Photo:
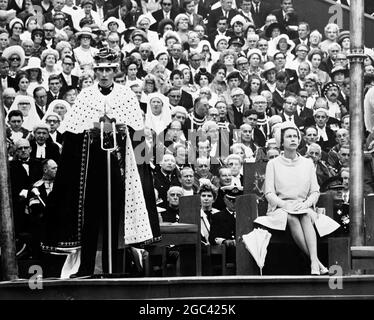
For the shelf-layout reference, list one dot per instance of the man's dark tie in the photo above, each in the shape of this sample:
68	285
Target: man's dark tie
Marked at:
257	9
208	214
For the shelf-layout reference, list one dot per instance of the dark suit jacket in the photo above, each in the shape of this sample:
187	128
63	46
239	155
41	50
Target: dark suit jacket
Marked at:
159	15
305	113
259	18
50	97
278	101
327	65
52	151
11	83
48	17
297	42
170	64
292	75
299	122
20	180
128	20
292	21
294	87
12	4
223	225
235	117
331	140
74	82
162	184
214	16
40	111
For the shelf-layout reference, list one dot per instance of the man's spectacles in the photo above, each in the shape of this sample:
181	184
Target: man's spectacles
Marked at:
167	4
53	121
15	59
68	64
23	148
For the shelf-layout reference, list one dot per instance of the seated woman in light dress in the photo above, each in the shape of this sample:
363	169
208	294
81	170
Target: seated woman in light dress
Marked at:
292	191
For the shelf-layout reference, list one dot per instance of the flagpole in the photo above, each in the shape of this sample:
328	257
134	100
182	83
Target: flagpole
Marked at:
9	268
356	58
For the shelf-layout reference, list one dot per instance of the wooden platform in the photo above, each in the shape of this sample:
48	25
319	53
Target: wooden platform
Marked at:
228	287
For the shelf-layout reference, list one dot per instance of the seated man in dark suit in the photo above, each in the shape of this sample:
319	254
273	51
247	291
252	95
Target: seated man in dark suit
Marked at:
280	91
303	71
289	111
302	111
225	10
287	16
167	11
40	97
41	147
55	85
15	131
24	171
303	31
171	214
280	64
235	112
57	7
122	12
67	79
221	29
176	57
259	11
165	176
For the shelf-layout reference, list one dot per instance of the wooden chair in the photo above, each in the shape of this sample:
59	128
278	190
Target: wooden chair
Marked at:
189	212
246	213
186	232
356	259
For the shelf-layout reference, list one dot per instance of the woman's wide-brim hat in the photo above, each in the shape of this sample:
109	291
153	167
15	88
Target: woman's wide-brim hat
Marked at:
290	43
18	50
138	32
273	26
85	31
267	67
48	52
106	58
121	25
343	35
254	51
220	38
15	20
339	69
34	63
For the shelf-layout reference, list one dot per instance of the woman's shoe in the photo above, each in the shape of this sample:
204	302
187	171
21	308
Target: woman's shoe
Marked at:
315	270
323	270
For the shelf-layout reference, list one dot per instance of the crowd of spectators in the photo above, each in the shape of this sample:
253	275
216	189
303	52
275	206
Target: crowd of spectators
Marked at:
214	80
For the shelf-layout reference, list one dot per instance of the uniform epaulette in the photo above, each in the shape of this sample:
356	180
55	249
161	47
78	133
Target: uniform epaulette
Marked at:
38	183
